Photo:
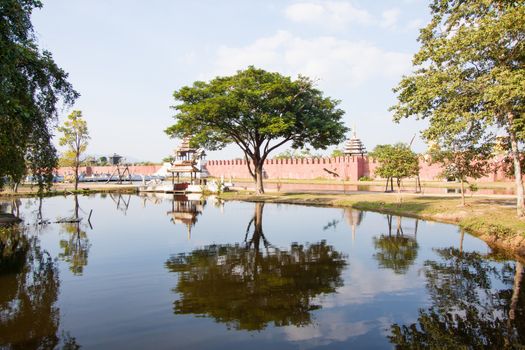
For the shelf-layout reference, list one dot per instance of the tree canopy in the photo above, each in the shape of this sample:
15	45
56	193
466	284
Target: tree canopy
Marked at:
395	161
258	111
75	137
464	155
32	86
470	69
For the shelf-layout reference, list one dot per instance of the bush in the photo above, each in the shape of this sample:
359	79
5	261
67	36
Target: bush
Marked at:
365	178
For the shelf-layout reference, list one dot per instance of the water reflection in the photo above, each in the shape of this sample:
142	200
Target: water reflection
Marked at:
396	251
353	218
248	289
29	317
121	201
475	304
185	209
75	248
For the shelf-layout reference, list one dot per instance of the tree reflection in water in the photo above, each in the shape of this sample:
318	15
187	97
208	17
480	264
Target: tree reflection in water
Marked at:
29	317
476	303
247	289
75	248
397	252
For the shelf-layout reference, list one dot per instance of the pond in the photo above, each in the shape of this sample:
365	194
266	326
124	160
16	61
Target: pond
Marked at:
163	272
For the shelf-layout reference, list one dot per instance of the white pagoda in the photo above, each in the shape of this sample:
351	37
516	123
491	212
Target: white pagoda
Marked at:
354	146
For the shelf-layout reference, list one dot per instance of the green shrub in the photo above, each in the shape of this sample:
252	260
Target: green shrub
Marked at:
365	178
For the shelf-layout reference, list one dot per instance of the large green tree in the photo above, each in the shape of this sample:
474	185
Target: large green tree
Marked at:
30	90
259	111
75	136
395	161
470	68
463	154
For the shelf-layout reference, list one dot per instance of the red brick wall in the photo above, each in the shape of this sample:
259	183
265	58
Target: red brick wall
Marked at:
309	168
349	168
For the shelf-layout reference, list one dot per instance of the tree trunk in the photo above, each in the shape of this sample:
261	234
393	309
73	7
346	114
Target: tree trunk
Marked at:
399	190
520	204
77	164
462	192
259	187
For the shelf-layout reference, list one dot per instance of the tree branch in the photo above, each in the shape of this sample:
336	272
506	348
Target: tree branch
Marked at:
277	145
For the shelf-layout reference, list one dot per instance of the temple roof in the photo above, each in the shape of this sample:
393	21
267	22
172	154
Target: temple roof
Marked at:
184	147
354	146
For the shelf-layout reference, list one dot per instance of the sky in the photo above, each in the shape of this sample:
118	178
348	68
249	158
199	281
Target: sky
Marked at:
127	57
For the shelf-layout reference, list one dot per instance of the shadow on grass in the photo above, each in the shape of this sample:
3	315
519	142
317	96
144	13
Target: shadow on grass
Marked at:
510	202
411	207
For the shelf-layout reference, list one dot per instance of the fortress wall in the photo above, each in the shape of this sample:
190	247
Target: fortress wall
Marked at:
308	168
343	168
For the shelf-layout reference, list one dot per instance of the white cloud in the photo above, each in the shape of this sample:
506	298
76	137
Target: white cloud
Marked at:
334	14
337	63
390	17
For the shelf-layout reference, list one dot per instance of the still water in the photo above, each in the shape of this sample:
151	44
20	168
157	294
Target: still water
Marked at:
151	272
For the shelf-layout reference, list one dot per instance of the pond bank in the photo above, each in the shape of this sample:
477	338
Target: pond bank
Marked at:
492	219
67	188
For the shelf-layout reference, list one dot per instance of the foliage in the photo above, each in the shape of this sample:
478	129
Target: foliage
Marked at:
365	178
75	137
258	111
168	159
337	153
32	86
464	155
470	69
473	188
103	160
395	161
297	154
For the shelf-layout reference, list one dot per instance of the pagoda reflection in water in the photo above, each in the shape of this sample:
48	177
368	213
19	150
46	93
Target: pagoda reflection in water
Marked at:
185	209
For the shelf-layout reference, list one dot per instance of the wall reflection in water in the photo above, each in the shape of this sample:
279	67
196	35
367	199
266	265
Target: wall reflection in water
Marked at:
253	284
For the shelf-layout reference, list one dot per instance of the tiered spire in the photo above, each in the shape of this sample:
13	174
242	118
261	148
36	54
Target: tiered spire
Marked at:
354	146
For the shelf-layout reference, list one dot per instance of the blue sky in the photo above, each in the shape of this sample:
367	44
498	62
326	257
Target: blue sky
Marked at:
127	57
